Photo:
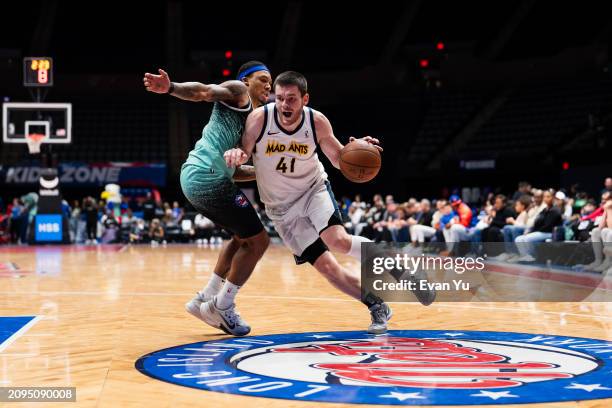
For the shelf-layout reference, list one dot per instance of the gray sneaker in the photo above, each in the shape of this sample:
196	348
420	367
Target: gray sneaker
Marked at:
227	320
193	306
380	313
427	295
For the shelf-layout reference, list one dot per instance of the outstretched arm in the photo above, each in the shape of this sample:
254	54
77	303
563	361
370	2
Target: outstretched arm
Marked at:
233	92
330	145
252	128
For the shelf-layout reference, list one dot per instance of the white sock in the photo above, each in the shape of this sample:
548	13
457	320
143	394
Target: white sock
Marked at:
355	250
225	298
214	286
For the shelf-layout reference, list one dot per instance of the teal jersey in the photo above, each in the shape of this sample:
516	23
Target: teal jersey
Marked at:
222	132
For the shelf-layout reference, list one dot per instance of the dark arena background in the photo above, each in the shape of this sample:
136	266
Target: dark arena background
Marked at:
495	120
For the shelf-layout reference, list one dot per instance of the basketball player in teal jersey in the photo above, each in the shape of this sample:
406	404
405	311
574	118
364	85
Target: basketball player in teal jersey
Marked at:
209	185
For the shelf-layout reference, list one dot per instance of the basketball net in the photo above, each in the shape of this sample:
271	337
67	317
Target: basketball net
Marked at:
34	141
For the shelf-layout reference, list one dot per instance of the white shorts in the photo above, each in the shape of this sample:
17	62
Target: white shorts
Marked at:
300	224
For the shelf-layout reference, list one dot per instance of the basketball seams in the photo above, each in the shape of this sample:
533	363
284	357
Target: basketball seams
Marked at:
368	151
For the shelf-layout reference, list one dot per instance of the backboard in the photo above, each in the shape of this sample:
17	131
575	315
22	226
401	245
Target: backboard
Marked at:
54	120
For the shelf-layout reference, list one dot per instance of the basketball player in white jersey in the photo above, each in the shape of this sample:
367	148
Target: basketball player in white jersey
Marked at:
284	138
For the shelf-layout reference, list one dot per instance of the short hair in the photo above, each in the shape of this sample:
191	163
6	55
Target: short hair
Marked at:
292	78
248	65
526	200
501	197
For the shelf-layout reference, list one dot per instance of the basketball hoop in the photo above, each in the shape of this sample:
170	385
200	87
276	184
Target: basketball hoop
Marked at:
34	141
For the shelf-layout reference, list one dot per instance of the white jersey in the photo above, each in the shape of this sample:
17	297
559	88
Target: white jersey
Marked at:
286	163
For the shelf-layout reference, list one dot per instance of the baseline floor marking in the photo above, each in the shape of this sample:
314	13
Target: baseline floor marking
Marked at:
317	299
19	333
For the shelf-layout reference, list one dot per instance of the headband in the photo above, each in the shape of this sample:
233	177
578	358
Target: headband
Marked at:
249	71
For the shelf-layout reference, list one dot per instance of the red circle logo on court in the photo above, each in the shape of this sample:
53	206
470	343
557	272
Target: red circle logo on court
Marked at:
402	367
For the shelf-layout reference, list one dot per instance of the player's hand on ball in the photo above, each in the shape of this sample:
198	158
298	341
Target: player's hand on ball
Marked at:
235	157
368	139
157	83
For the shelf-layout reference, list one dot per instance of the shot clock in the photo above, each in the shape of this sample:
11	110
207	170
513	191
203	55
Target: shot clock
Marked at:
37	71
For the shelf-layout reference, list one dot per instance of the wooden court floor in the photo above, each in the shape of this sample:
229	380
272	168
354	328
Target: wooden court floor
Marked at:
101	308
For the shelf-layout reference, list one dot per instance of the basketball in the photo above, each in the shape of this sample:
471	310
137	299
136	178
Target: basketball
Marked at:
359	161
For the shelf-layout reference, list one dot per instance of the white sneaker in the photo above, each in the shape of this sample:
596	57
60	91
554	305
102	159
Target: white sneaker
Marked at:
193	306
501	257
588	267
227	320
525	258
513	258
607	263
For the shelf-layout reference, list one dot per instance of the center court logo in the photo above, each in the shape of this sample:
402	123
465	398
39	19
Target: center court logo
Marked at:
403	367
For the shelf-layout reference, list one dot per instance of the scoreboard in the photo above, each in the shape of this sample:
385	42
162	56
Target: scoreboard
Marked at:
37	71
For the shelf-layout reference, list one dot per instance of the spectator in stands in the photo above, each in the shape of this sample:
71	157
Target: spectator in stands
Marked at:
73	222
91	220
160	208
110	233
457	229
524	187
128	219
427	224
137	231
389	199
516	226
421	226
446	217
493	233
177	212
537	207
381	228
374	215
356	215
607	185
16	221
582	225
361	204
426	213
601	236
542	229
606	238
564	204
156	232
148	208
168	218
398	226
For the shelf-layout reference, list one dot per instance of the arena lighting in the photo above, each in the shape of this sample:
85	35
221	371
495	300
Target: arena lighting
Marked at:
440	46
229	54
565	166
226	72
424	63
